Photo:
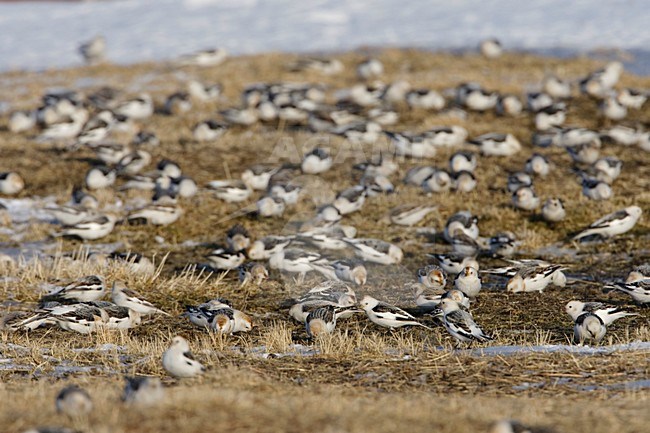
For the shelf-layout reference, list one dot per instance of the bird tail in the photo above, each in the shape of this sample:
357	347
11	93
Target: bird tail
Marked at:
614	315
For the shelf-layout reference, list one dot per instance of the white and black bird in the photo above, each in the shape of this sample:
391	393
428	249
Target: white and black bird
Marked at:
553	210
209	130
606	313
86	289
92	228
225	259
639	290
252	272
238	238
386	315
408	214
454	263
461	222
143	391
491	48
538	165
494	144
317	161
613	224
11	183
100	177
350	200
588	328
432	277
525	198
468	282
123	296
350	271
460	323
376	251
321	321
161	212
230	191
178	361
94	50
535	278
74	402
639	273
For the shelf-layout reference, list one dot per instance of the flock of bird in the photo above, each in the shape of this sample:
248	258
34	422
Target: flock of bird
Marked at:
363	114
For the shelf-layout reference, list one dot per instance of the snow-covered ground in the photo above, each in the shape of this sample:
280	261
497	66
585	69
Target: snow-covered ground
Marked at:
38	35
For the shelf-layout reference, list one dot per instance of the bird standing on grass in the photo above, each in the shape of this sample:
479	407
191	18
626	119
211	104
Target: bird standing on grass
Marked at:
179	361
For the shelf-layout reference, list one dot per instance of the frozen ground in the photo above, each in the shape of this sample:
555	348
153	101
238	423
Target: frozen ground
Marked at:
45	34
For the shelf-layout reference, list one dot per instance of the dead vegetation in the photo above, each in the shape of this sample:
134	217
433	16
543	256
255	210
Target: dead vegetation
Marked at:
361	378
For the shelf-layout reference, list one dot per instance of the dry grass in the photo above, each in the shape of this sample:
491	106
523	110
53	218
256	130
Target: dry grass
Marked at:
362	377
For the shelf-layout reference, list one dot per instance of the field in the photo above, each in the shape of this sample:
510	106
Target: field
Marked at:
362	378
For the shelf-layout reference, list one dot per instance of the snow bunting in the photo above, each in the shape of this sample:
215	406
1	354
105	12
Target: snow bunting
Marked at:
162	212
69	215
138	108
511	426
608	168
426	99
224	259
596	189
100	177
179	361
265	248
612	224
556	87
606	313
178	103
209	130
418	174
612	109
460	323
376	251
425	299
92	228
73	401
205	58
370	68
438	181
463	181
509	105
588	328
538	165
468	282
204	93
463	161
454	263
494	144
230	191
585	153
350	271
200	315
252	272
11	183
464	245
321	321
472	96
638	290
632	98
387	316
553	210
461	222
408	214
258	176
502	244
317	161
525	198
94	50
125	297
535	278
142	391
491	48
432	277
641	272
118	317
238	238
270	206
519	180
414	146
137	263
294	260
134	162
350	200
550	117
85	289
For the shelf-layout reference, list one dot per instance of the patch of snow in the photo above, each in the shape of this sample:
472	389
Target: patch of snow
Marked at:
143	30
